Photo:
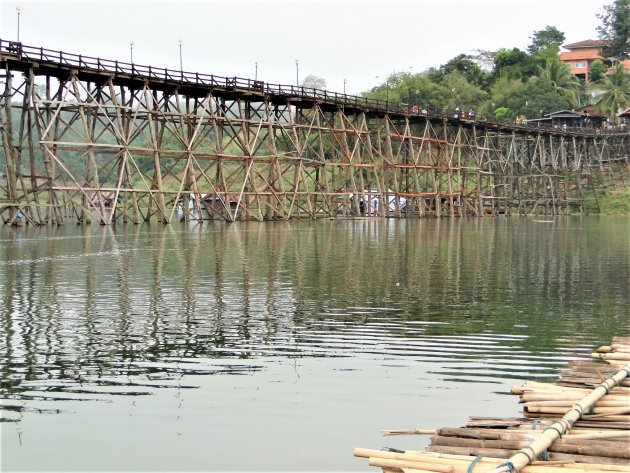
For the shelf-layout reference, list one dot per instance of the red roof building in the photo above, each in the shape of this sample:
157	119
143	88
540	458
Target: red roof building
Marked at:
581	55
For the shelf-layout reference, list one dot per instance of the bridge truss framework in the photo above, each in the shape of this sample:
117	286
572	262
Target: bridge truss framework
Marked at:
84	144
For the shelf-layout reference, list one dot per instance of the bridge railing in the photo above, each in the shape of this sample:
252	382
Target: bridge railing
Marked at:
44	55
194	78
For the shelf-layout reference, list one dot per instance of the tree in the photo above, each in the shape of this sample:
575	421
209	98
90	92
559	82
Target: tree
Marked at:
501	91
548	37
615	29
465	65
426	93
538	97
547	53
514	63
598	70
616	92
559	75
462	93
412	89
502	113
484	58
434	75
314	82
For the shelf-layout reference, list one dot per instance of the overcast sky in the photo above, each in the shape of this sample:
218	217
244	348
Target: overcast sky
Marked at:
353	39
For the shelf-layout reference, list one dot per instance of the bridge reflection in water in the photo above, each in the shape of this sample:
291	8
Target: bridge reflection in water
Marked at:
183	346
90	310
90	139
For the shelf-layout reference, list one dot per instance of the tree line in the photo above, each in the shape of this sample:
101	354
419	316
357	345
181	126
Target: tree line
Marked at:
513	84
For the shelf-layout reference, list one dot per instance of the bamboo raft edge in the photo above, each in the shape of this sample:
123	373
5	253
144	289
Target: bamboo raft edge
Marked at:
592	435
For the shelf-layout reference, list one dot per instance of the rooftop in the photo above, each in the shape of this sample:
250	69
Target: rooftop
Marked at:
576	55
587	43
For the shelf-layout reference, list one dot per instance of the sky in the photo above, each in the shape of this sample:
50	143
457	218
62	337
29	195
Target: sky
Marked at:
361	41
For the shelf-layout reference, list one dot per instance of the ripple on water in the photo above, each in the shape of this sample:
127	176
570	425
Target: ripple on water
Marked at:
130	311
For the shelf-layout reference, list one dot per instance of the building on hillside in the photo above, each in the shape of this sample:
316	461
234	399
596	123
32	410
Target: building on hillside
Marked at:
569	119
591	118
581	55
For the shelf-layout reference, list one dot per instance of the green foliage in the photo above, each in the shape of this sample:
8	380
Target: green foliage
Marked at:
484	59
514	63
545	54
616	203
465	65
559	76
463	93
549	38
411	89
434	75
536	98
502	112
615	29
418	89
616	92
504	88
510	81
607	202
598	71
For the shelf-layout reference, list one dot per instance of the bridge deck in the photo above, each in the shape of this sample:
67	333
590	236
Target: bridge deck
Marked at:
61	64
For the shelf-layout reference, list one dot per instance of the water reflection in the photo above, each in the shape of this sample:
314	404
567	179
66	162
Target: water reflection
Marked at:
90	313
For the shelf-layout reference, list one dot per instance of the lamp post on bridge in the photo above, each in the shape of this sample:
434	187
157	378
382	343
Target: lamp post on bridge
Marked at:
256	71
297	72
131	51
18	8
344	86
181	64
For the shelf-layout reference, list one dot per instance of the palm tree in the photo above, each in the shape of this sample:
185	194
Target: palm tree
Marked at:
559	75
616	92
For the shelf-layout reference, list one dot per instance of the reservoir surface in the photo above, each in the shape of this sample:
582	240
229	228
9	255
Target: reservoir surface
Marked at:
281	346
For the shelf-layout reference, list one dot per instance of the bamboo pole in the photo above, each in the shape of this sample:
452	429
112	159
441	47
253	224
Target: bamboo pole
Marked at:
616	356
441	462
410	432
558	428
595	447
506	454
510	434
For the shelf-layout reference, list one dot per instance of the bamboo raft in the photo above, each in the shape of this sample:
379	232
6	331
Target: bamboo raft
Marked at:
581	423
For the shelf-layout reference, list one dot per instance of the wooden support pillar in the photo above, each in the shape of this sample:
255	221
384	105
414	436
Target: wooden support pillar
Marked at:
10	154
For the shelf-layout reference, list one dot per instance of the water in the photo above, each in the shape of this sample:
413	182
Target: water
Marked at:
282	346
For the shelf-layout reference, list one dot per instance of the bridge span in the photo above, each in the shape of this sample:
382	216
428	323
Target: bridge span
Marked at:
94	140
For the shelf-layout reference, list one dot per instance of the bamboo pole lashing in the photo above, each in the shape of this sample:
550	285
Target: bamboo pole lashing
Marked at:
558	428
555	397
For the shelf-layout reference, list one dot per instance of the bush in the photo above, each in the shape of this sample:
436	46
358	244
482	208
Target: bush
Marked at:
502	112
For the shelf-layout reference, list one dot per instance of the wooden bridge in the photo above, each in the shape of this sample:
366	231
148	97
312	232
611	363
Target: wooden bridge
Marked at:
91	139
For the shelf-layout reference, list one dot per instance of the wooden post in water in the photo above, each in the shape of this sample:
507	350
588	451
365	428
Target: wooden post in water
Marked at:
153	142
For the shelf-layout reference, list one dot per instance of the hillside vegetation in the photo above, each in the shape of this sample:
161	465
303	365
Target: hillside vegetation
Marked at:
515	84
